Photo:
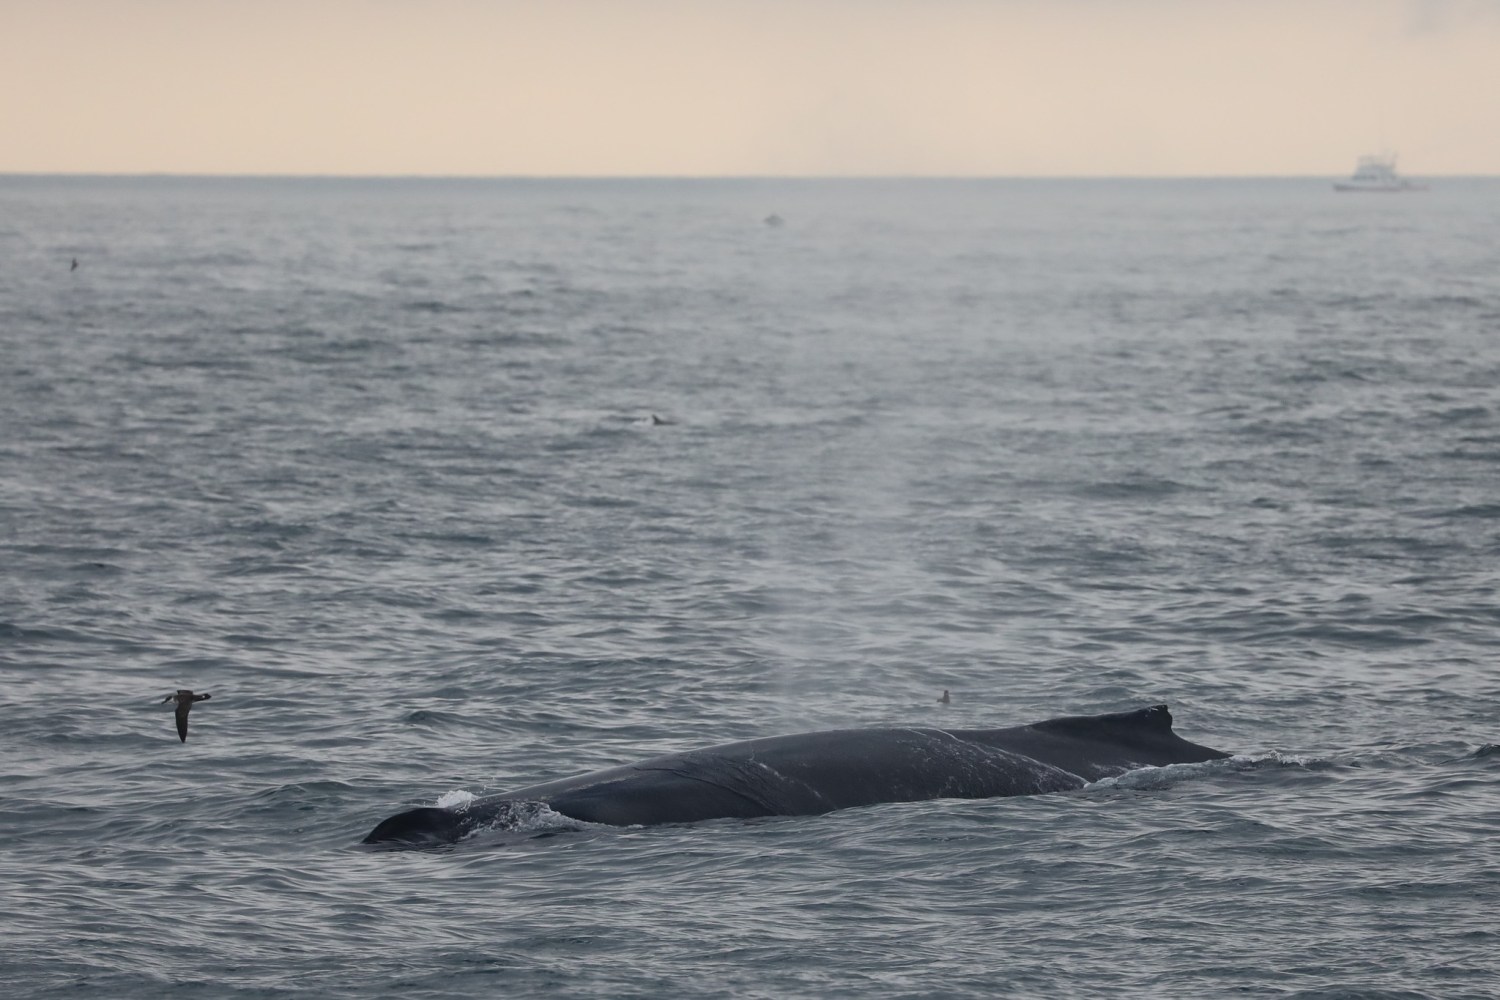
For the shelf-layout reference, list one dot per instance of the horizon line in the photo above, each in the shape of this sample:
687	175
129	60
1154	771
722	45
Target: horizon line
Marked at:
268	175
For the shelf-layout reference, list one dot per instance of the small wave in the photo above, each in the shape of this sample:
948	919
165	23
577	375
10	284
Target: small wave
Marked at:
1277	758
1164	776
1132	488
11	632
1455	301
92	569
519	820
459	538
429	306
426	717
1482	511
309	792
1464	415
1471	455
1357	638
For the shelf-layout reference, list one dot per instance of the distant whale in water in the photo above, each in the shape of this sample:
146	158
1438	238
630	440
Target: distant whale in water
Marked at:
811	773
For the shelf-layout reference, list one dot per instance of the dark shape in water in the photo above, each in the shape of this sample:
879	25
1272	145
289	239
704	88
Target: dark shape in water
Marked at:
184	699
945	699
811	773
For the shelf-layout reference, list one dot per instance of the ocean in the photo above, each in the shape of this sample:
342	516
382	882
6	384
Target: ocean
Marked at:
446	486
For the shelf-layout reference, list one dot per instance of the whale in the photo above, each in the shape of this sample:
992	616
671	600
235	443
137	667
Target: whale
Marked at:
807	774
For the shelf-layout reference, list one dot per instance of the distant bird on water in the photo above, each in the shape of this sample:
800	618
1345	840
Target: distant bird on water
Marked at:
75	265
184	699
944	700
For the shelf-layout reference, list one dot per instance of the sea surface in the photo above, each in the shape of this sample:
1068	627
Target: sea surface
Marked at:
374	463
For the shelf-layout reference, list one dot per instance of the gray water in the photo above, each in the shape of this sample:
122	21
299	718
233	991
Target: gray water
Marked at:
373	463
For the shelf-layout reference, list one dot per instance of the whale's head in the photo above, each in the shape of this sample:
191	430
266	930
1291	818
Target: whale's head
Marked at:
425	827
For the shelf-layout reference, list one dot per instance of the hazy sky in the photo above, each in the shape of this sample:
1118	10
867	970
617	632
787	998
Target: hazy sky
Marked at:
851	87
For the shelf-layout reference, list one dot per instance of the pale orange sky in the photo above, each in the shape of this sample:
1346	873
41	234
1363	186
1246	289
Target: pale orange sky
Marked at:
735	87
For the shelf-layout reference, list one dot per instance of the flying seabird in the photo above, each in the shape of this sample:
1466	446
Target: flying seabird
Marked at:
184	699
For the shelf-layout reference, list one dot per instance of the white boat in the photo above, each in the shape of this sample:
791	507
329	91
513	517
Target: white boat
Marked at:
1377	172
